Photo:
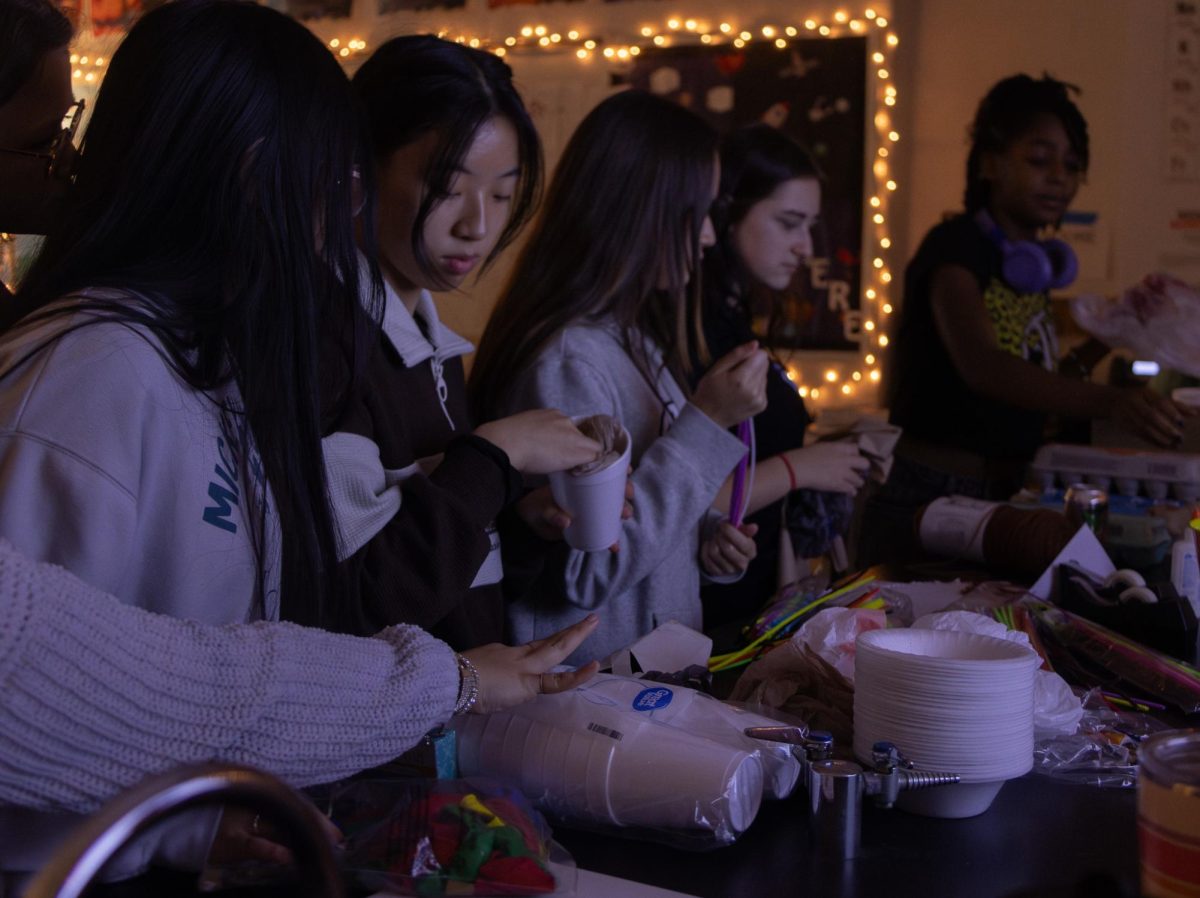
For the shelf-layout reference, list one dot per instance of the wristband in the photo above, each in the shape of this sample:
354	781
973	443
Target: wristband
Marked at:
468	685
791	474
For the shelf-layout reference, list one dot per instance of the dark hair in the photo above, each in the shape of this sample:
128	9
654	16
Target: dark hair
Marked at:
418	84
220	152
1009	110
624	210
29	29
755	160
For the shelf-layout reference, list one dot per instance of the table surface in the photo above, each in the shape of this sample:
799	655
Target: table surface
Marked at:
1039	838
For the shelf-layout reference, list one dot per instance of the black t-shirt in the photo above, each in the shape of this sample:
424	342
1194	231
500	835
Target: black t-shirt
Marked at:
928	397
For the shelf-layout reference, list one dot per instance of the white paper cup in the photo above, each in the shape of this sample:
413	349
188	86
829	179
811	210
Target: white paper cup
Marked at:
664	778
562	770
594	502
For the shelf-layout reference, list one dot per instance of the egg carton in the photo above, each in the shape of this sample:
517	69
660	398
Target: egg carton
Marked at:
1126	472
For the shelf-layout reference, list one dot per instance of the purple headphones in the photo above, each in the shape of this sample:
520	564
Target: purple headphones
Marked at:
1031	266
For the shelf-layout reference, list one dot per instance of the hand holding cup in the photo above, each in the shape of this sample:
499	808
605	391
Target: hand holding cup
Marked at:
540	441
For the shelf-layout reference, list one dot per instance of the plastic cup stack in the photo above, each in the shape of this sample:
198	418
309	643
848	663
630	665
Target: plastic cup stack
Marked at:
952	702
645	774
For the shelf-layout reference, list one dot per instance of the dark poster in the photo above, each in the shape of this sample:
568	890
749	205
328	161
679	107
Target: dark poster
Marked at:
815	91
494	4
318	9
387	6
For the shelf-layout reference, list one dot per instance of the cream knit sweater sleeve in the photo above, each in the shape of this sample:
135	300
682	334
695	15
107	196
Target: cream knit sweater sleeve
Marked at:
96	694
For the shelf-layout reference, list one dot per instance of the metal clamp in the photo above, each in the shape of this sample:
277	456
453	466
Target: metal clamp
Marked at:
836	789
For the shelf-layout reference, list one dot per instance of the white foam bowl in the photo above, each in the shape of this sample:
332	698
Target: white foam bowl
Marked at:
954	801
924	654
953	702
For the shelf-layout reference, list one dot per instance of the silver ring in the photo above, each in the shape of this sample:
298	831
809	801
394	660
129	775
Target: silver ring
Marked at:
255	825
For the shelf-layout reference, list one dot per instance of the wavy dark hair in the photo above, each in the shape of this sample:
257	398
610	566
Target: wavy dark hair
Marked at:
414	85
214	193
1007	112
755	160
623	213
29	29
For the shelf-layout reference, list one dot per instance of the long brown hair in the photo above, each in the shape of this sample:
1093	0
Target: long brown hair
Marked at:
623	215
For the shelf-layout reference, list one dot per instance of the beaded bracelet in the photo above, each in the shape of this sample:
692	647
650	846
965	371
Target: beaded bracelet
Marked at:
468	685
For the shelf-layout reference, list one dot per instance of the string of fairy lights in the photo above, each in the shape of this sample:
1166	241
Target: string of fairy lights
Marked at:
835	379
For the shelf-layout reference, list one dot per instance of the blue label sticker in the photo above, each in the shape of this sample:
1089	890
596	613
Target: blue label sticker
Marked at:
653	699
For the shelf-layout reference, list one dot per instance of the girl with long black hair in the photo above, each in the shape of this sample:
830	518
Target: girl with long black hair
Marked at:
159	413
416	487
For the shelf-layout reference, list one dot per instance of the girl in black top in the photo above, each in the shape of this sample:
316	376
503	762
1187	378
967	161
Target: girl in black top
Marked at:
769	202
975	370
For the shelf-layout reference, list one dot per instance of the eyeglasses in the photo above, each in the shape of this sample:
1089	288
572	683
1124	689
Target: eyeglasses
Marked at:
57	153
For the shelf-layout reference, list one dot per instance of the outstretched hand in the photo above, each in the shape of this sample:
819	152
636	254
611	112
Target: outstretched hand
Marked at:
512	675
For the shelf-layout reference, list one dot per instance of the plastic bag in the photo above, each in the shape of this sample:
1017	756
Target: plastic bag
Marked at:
1056	710
434	837
1158	319
1103	750
796	680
